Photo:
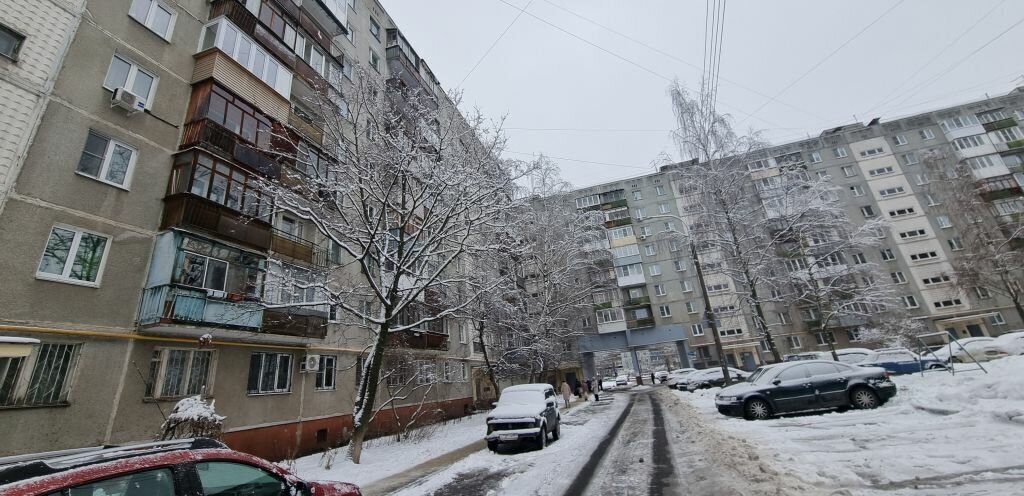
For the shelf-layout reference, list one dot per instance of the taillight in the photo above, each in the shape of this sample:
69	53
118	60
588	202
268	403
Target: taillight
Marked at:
888	375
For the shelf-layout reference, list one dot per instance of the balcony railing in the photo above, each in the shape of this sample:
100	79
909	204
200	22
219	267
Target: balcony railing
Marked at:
999	187
641	300
618	222
310	131
1013	145
218	139
300	249
614	204
296	321
1000	124
418	339
236	12
188	210
639	323
171	304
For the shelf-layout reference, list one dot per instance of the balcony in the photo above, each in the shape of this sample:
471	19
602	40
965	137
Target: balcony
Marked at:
618	222
614	204
630	280
638	301
295	321
639	323
188	210
215	64
305	126
211	136
289	245
999	187
172	304
236	12
1000	124
418	339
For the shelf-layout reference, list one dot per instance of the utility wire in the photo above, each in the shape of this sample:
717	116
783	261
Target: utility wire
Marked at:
718	63
827	57
496	40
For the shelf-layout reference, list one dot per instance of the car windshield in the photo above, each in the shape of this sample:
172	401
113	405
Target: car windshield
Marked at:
760	376
521	398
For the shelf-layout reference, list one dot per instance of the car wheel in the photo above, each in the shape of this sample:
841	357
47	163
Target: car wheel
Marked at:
492	445
542	439
863	398
936	366
757	409
557	433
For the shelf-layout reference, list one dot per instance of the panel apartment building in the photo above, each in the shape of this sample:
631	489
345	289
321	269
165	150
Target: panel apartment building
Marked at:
133	230
879	169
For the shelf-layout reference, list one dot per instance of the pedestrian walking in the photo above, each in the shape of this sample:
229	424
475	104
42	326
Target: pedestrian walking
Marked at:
597	397
566	393
653	382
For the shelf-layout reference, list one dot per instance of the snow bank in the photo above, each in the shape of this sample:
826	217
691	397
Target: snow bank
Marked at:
998	394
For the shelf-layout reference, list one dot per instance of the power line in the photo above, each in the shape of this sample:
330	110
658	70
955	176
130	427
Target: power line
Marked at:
830	55
718	63
496	40
887	98
580	160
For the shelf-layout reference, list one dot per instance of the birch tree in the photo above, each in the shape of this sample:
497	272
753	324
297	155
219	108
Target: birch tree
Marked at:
403	188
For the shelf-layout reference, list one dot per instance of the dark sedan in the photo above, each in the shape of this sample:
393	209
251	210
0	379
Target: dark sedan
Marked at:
790	387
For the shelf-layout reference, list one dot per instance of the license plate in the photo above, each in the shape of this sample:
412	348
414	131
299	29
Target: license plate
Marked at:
508	437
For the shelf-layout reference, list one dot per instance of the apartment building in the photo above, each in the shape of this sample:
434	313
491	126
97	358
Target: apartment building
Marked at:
879	169
148	264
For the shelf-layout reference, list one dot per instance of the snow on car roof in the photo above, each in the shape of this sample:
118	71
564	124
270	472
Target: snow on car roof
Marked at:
528	387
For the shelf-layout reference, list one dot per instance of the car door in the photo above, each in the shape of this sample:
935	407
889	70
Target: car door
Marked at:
550	408
792	391
829	385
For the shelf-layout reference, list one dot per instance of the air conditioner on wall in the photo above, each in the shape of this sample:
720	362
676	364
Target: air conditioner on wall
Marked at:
128	101
310	363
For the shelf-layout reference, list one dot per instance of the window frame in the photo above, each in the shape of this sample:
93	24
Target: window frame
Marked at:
665	311
19	42
320	379
72	254
23	377
153	6
155	388
277	356
105	162
129	80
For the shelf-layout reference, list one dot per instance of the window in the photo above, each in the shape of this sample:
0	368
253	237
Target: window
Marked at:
621	232
927	255
52	366
619	213
650	249
881	171
921	179
868	211
823	338
1009	134
857	190
839	152
724	309
156	16
660	190
849	171
10	42
659	290
947	303
374	28
815	157
926	134
669	227
374	61
696	330
899	140
982	293
796	264
794	342
645	230
893	191
718	288
665	311
73	255
997	319
959	122
859	259
871	152
462	329
853	334
968	142
783	318
237	116
939	279
679	265
225	479
823	175
943	221
758	165
219	182
685	286
690	308
641	213
107	160
179	372
909	158
637	195
983	162
588	201
159	481
898	277
629	270
730	332
625	251
900	212
663	208
204	272
270	373
607	315
654	269
237	45
327	372
125	74
887	255
916	233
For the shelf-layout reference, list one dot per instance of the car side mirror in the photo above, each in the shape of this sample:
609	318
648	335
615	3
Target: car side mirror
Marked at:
777	382
551	404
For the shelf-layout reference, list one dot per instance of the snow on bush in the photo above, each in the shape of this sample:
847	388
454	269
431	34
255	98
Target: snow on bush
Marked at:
192	417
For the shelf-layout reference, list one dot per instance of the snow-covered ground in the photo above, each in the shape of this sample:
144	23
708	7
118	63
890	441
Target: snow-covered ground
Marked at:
941	434
384	457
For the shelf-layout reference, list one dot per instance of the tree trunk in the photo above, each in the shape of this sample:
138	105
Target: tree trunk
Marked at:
366	395
487	361
762	323
1014	296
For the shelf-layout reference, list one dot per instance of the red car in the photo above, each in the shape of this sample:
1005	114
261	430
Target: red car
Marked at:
187	467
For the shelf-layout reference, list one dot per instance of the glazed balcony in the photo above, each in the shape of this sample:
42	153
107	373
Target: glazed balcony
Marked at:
191	211
171	304
640	323
638	301
300	322
305	126
1000	124
418	339
614	204
209	135
999	187
618	222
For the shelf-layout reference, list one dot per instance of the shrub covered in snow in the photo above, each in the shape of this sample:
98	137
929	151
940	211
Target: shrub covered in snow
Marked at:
192	417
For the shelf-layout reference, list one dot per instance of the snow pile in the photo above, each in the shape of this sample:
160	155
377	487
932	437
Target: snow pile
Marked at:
999	394
192	417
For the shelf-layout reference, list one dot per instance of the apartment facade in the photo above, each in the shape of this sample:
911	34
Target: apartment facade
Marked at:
878	169
148	264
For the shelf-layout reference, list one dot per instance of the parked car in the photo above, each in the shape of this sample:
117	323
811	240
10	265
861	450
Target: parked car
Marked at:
712	377
661	376
1011	342
980	349
808	355
805	385
851	355
622	380
165	468
608	383
901	361
526	413
677	375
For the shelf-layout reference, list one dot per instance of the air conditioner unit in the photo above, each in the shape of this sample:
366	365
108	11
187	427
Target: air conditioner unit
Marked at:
643	236
310	363
128	101
213	293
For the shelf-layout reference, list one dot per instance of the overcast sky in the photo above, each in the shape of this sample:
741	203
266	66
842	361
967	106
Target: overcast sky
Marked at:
614	109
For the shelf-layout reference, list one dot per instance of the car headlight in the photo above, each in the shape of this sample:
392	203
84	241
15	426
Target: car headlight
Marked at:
728	399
